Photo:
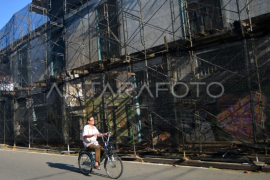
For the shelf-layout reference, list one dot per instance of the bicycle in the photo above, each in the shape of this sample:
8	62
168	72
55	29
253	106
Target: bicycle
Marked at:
86	160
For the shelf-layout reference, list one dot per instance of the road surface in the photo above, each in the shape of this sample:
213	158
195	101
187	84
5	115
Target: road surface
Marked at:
22	165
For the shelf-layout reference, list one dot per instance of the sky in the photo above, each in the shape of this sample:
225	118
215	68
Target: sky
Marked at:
8	8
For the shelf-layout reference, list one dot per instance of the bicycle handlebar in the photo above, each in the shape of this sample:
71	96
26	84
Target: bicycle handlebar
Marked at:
109	135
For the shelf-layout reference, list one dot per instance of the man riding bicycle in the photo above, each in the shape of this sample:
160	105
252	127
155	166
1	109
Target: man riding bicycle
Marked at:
89	136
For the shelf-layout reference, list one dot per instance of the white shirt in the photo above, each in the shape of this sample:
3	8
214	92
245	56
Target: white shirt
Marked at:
88	130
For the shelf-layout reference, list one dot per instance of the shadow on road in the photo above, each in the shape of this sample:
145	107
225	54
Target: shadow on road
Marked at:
101	175
64	167
73	169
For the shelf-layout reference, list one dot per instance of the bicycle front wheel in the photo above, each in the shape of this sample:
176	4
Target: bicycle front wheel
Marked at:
113	166
85	162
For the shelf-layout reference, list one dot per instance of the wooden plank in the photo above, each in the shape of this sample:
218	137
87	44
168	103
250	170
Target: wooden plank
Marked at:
115	59
127	73
162	160
198	163
8	93
130	158
234	166
160	156
80	72
37	84
266	169
262	158
262	164
226	159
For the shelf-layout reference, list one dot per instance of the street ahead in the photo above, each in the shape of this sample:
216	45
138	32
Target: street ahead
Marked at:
21	165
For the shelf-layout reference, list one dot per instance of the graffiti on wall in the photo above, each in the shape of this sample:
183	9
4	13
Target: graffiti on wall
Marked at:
235	116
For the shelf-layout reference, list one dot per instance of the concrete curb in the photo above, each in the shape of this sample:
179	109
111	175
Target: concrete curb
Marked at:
208	164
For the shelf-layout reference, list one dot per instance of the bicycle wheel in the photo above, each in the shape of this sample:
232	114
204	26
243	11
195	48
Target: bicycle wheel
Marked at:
113	166
85	162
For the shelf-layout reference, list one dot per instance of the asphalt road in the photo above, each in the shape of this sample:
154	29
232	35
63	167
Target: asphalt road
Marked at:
22	165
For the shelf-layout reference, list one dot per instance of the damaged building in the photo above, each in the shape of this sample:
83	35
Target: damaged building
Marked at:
157	74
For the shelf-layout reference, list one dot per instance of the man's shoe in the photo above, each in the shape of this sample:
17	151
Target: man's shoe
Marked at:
97	167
